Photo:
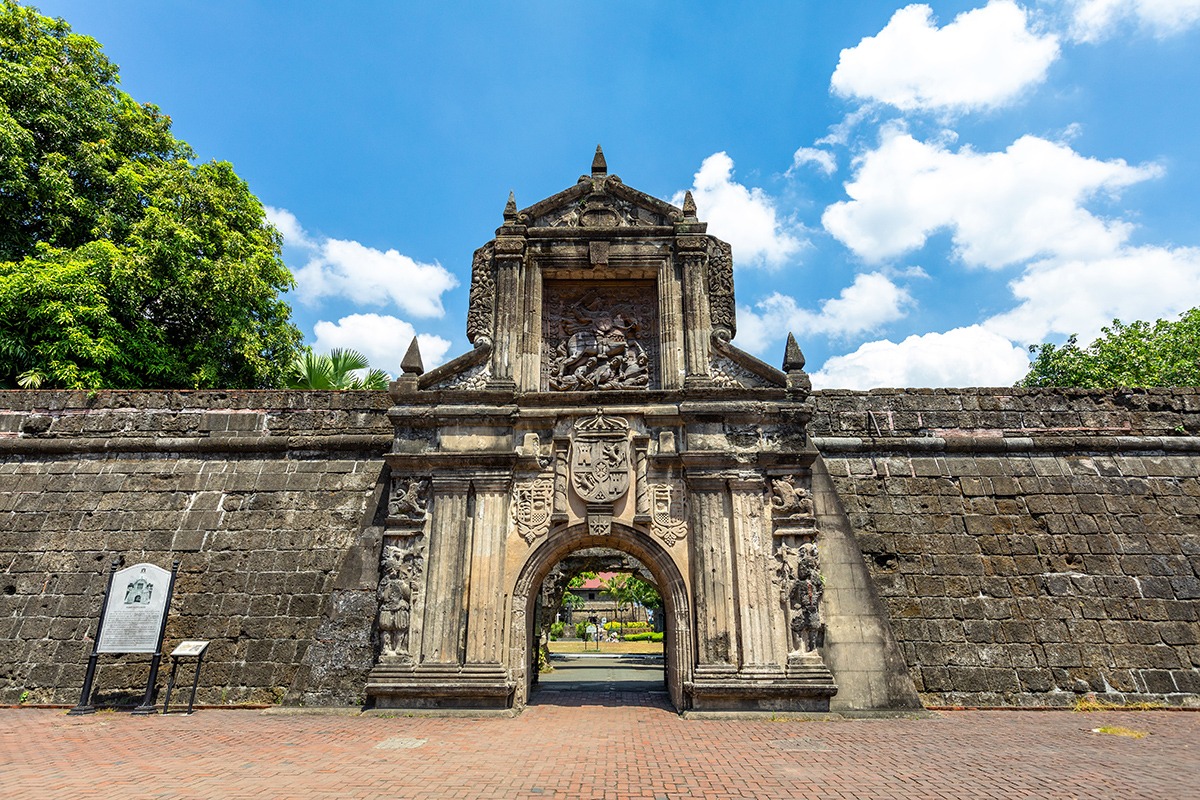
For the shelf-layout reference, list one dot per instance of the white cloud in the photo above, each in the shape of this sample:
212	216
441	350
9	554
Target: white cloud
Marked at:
984	59
823	160
872	300
744	217
1065	297
383	339
345	268
1002	208
969	356
1093	20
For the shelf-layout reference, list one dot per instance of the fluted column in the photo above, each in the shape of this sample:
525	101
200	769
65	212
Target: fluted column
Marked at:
445	598
698	326
712	575
509	255
489	530
670	325
758	604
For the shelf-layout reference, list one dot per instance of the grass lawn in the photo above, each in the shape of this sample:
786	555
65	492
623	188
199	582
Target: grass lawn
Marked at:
576	646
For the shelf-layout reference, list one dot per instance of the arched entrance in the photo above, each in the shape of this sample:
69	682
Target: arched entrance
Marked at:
564	540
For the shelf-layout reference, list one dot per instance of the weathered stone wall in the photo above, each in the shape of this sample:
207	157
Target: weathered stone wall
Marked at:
267	499
1030	546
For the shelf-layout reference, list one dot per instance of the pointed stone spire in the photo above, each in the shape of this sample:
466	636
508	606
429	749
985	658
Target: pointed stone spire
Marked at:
689	205
599	165
411	363
793	359
510	208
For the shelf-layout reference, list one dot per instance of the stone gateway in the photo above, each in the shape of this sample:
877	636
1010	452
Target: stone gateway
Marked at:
604	406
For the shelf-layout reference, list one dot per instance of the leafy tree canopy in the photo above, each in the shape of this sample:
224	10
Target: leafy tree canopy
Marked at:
122	263
1139	354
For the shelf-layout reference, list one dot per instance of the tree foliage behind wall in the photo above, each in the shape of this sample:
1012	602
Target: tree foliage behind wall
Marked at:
1138	354
122	262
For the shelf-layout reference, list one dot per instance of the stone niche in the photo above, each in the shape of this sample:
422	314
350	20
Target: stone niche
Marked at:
603	406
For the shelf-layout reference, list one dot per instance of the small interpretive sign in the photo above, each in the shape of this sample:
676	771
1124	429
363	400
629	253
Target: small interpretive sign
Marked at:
189	648
133	616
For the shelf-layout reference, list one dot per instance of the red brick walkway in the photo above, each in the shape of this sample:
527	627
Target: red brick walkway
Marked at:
579	749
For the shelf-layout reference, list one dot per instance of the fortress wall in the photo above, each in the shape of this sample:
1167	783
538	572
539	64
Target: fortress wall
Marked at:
267	499
1029	545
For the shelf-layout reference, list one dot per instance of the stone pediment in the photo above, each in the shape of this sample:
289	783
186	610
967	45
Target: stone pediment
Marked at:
599	201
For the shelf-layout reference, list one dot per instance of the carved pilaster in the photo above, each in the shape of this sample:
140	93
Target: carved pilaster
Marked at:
670	312
712	575
697	327
641	460
758	604
489	532
561	448
510	253
445	608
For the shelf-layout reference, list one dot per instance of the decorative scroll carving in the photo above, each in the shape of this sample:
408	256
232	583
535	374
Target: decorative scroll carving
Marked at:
481	310
801	589
401	570
788	499
720	289
560	480
600	459
727	374
663	521
472	379
598	348
408	500
531	507
600	211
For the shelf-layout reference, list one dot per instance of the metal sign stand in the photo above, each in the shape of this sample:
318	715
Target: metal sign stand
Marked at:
147	707
187	649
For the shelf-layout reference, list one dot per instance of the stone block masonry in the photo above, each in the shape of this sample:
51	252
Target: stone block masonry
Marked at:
268	500
1028	546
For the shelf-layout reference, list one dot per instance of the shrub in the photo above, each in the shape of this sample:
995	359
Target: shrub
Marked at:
645	636
556	630
581	630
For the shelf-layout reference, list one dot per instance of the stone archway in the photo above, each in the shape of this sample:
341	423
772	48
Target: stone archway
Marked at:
564	540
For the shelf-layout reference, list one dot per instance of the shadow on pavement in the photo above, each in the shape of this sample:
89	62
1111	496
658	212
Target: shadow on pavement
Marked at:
630	680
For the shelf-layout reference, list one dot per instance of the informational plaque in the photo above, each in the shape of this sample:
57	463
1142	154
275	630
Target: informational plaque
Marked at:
133	616
190	647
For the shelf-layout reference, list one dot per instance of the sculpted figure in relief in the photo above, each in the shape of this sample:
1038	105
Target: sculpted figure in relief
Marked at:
789	500
802	588
599	350
395	599
407	500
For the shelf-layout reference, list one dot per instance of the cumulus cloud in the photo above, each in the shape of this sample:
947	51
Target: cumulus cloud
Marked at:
1093	20
383	339
871	301
744	217
1001	208
823	160
1080	297
971	356
345	268
985	58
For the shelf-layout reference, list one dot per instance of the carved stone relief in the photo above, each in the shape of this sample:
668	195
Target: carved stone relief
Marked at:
600	212
399	576
472	379
668	520
720	289
600	339
789	499
531	507
801	588
481	309
728	375
600	459
408	500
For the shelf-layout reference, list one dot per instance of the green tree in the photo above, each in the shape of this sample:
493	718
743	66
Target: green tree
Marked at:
1139	354
337	370
122	262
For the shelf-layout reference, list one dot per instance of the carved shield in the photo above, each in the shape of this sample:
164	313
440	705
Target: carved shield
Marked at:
600	469
531	508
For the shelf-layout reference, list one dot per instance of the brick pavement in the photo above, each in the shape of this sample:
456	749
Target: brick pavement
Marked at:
574	745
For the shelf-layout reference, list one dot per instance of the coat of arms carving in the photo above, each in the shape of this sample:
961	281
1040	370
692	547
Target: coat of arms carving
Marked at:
600	459
662	520
532	504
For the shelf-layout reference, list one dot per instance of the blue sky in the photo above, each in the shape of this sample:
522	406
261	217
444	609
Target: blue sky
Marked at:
918	192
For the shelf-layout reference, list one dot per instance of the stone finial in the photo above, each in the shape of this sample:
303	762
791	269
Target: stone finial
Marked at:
689	205
510	208
411	364
793	359
599	165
